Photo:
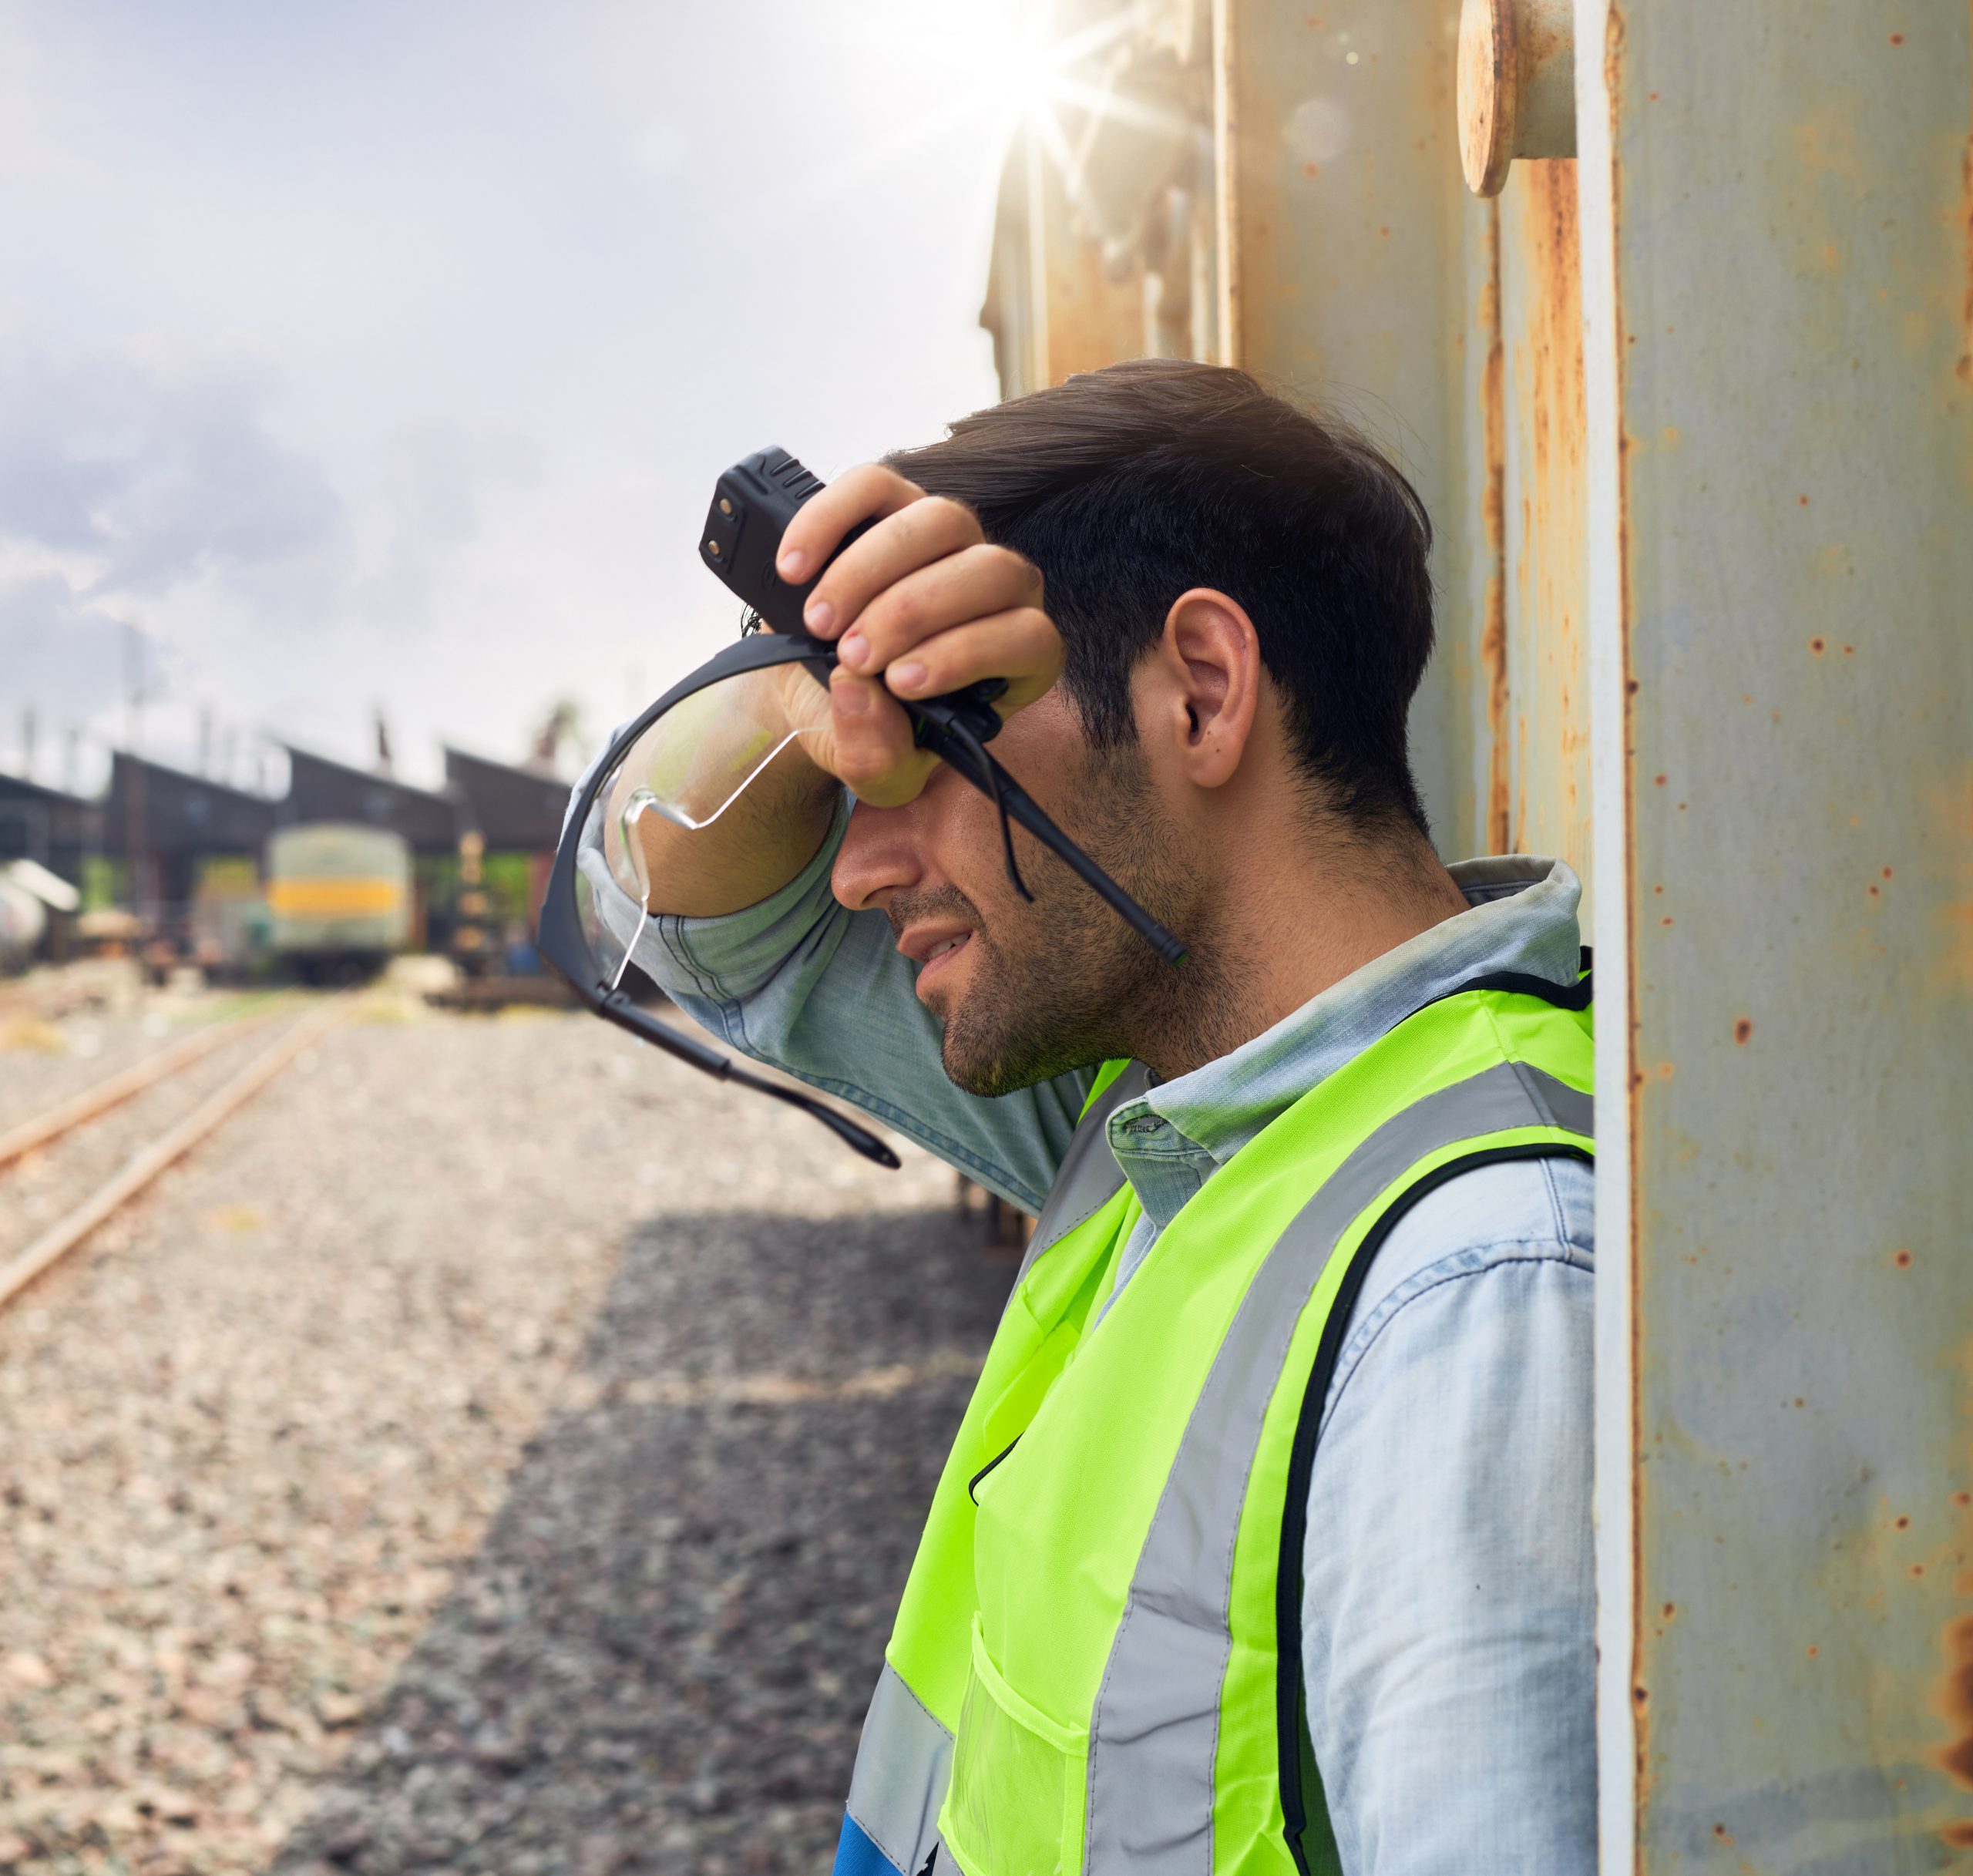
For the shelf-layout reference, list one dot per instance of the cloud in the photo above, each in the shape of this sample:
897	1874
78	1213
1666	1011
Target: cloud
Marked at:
65	655
152	460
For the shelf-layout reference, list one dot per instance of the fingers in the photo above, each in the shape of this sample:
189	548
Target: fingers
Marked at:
919	604
825	518
872	750
1021	645
974	583
913	537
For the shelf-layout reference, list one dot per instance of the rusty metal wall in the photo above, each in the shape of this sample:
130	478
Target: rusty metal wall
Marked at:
1347	267
1777	234
1105	243
1694	411
1349	288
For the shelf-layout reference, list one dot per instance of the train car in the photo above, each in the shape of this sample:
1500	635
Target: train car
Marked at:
339	897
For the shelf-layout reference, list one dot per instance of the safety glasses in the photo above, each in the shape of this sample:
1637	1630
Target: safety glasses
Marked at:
688	760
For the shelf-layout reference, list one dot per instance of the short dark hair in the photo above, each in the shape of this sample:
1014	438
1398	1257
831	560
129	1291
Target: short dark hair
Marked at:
1128	486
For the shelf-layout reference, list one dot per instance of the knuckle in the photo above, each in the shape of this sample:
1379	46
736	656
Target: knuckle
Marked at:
1025	576
856	761
951	515
1038	629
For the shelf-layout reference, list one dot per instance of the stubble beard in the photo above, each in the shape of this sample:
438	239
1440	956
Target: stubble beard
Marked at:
1065	983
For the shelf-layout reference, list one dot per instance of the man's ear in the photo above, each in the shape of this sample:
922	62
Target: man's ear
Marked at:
1199	690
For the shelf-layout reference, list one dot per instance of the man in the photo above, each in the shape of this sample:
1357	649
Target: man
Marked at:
1265	1542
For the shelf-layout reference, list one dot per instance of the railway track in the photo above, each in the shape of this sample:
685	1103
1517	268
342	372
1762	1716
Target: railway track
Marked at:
164	1147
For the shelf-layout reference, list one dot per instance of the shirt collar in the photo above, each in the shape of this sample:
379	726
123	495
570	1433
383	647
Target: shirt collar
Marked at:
1520	916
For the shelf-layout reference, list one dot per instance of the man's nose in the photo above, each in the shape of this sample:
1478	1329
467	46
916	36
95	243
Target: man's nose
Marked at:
882	852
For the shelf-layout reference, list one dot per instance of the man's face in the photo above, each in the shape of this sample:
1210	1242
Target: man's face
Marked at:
1025	991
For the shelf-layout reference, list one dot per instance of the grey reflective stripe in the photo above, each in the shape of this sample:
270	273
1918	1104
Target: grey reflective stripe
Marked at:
902	1763
1089	1175
904	1759
1156	1720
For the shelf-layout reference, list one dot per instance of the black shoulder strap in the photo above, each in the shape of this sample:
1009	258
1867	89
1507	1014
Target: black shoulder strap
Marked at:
1304	1821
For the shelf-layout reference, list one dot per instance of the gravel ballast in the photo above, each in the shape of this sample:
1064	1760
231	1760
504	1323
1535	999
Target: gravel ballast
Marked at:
498	1448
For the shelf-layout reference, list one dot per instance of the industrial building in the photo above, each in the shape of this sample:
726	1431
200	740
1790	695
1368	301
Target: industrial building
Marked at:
167	842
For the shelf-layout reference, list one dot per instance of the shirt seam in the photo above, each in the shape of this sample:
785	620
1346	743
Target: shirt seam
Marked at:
1499	1255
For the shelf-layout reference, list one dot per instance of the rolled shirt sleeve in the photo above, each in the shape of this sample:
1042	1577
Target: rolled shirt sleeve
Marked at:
801	982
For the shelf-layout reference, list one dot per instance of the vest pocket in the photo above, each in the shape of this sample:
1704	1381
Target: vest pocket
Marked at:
1015	1804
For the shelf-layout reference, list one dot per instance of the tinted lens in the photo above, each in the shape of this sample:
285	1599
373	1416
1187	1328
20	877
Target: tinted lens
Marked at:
679	781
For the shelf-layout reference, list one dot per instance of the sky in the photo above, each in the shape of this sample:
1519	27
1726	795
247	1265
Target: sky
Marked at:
382	356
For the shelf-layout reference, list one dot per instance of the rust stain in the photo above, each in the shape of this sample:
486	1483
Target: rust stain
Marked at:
1953	1696
1965	366
1547	407
1744	1029
1827	144
1493	529
1621	340
1951	817
1955	1703
1093	320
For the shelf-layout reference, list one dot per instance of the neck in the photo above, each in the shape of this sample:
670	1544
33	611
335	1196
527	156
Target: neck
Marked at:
1266	936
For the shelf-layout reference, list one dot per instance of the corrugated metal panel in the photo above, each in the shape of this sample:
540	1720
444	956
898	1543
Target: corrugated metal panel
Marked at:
1780	250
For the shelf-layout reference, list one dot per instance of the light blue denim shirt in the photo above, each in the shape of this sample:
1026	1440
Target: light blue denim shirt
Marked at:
1448	1606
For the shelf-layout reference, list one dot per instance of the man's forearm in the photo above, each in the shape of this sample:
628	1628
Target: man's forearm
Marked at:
747	853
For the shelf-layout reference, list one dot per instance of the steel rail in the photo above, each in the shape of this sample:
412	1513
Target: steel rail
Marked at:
114	1090
145	1165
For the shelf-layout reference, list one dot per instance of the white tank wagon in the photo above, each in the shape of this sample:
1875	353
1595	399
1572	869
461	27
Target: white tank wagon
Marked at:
339	896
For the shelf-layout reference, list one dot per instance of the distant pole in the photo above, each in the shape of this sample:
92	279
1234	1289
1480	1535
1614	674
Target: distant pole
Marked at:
133	793
27	741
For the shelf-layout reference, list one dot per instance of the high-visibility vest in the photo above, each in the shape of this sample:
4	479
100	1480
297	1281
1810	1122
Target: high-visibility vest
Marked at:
1097	1665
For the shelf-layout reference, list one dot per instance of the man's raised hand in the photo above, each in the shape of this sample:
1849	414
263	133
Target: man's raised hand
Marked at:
920	605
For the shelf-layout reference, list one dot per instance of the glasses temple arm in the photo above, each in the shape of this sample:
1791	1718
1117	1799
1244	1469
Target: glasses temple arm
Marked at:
618	1006
945	732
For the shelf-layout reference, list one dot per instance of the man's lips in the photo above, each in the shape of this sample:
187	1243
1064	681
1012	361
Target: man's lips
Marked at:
931	946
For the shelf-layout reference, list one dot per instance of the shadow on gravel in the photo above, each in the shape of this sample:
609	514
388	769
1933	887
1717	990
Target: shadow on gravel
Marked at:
659	1658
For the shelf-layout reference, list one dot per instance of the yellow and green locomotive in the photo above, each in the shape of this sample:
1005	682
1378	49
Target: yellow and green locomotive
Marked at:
339	896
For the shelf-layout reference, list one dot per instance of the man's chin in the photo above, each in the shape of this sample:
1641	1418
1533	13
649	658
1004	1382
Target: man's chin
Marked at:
989	1058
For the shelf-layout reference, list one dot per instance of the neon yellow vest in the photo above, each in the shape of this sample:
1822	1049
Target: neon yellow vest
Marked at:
1097	1663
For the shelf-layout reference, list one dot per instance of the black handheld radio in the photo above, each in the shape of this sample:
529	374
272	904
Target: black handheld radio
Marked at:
752	504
